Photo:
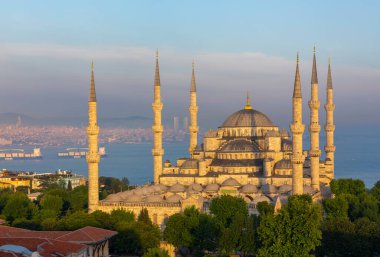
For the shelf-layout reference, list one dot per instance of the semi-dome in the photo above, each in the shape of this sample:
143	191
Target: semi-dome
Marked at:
174	199
212	188
284	189
248	118
283	164
268	189
195	187
177	188
239	145
134	198
262	198
113	198
231	182
249	189
190	164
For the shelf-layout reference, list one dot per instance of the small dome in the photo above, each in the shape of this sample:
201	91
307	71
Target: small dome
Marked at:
231	182
249	189
268	189
261	198
177	188
212	188
174	199
283	164
134	198
248	118
239	145
285	189
195	187
125	194
154	199
113	198
272	133
138	191
158	188
190	164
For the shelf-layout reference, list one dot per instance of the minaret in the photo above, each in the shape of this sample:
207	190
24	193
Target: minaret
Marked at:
193	110
157	128
297	128
93	156
329	126
314	128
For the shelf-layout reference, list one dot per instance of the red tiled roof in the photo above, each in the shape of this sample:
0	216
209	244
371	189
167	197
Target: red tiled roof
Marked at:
87	235
46	247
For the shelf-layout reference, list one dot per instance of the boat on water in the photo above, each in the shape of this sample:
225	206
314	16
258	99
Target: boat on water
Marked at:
80	153
19	154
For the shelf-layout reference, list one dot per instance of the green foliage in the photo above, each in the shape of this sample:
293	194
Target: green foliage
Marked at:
156	252
226	207
335	208
51	202
265	208
69	186
294	231
4	197
177	231
49	224
375	191
121	219
144	217
19	206
104	219
27	224
113	185
79	219
347	186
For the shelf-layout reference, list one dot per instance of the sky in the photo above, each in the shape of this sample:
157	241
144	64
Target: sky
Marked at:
46	48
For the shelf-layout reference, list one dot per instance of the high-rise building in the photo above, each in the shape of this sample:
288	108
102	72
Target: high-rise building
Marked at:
176	124
185	123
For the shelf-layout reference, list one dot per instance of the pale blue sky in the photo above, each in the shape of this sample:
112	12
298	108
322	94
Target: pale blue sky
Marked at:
46	47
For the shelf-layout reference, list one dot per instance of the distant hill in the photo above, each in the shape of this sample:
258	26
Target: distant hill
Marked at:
129	122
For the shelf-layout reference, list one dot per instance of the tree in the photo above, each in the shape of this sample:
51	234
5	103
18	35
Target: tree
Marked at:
52	202
347	186
69	186
27	224
19	206
156	252
294	231
79	219
177	231
226	207
336	207
121	218
265	208
375	191
144	217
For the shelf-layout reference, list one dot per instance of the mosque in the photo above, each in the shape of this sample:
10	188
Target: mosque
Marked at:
247	156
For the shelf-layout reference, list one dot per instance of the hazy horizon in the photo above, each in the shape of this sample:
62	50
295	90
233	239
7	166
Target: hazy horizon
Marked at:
46	49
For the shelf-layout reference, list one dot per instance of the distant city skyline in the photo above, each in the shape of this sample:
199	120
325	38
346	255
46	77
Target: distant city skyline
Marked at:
46	49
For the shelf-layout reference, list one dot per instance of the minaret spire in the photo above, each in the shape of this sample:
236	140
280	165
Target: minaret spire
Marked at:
92	156
193	111
297	128
314	127
157	128
330	126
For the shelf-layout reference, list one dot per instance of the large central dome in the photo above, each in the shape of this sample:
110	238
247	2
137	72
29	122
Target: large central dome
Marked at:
248	118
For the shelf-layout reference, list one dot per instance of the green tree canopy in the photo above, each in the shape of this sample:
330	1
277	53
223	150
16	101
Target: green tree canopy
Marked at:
294	231
226	207
347	186
19	206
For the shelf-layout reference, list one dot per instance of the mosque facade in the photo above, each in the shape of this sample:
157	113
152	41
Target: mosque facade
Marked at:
248	156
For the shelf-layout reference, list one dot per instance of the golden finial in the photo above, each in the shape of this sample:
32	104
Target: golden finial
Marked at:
314	50
92	65
193	64
157	53
248	103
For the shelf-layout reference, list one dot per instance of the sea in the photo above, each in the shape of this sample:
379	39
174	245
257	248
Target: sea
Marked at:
357	156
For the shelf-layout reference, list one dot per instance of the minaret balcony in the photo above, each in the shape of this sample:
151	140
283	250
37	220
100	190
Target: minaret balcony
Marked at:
330	148
92	130
314	128
297	129
329	127
193	108
329	107
157	128
193	129
158	152
157	106
93	157
314	104
315	153
298	159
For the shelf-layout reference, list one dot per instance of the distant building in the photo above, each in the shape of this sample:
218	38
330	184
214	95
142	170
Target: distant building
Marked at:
84	242
185	123
176	124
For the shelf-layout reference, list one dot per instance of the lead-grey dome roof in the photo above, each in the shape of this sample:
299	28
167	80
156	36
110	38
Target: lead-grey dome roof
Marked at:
240	145
248	118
